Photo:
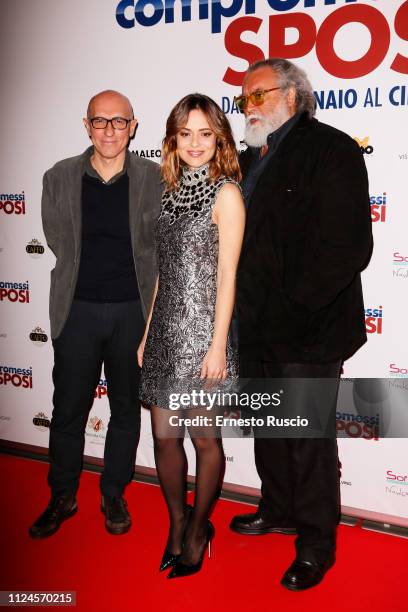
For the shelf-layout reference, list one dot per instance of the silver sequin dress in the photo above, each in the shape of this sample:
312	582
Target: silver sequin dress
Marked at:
182	323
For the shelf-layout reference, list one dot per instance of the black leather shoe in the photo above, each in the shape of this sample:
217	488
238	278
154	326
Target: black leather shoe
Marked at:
60	508
303	575
256	524
117	519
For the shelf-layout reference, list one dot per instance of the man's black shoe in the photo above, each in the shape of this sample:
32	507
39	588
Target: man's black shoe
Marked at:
117	519
60	508
256	524
303	575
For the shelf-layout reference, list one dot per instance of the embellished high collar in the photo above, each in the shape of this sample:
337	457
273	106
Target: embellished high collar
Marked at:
192	176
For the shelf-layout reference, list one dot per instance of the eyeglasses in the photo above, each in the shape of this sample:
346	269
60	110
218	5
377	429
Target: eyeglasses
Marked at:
118	123
257	98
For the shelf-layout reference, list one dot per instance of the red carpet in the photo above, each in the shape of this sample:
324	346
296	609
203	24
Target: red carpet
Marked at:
119	573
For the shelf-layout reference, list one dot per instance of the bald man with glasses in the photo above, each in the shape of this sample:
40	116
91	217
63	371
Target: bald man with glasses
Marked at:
99	211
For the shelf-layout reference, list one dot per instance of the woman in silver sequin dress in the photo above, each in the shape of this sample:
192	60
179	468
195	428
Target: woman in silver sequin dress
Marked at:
199	237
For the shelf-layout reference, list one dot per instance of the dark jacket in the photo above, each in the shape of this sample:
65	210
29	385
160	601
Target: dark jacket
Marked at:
61	216
308	236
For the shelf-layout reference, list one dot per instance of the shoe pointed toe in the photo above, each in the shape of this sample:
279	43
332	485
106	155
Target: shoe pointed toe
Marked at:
168	560
180	570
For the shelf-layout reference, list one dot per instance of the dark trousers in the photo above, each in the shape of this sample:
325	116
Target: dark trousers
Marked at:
96	333
300	476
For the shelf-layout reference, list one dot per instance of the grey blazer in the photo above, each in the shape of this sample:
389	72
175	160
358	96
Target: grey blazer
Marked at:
62	215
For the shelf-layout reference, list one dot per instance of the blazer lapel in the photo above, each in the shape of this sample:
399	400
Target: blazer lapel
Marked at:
255	212
275	172
137	175
74	198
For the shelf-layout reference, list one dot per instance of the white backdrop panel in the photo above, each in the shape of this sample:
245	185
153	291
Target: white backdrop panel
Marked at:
56	55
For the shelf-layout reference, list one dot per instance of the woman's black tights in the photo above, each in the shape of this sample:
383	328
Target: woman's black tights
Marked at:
171	463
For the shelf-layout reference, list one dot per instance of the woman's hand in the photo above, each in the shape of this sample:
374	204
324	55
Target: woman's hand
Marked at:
214	364
140	352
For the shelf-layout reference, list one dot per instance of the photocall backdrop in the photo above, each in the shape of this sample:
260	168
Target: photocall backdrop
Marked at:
56	55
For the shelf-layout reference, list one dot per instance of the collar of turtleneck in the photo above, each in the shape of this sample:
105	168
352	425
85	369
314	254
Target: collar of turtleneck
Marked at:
191	176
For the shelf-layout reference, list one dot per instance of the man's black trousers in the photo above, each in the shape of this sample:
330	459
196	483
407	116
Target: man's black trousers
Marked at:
96	334
300	476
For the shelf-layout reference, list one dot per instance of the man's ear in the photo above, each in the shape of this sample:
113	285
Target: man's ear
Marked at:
87	126
133	126
291	99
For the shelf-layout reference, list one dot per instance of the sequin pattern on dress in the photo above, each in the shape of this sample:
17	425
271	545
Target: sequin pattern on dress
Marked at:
182	323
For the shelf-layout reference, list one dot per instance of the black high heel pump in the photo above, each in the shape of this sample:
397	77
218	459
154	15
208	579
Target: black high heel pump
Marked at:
169	559
180	570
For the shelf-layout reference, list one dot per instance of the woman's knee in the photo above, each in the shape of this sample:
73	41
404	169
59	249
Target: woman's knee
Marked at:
164	443
204	444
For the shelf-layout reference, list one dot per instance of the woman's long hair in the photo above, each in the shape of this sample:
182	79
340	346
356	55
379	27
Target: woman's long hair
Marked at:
225	160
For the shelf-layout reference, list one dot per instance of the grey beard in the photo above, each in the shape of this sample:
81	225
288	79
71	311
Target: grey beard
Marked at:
257	135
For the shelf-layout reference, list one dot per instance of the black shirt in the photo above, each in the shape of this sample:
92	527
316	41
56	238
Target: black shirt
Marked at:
259	163
107	270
